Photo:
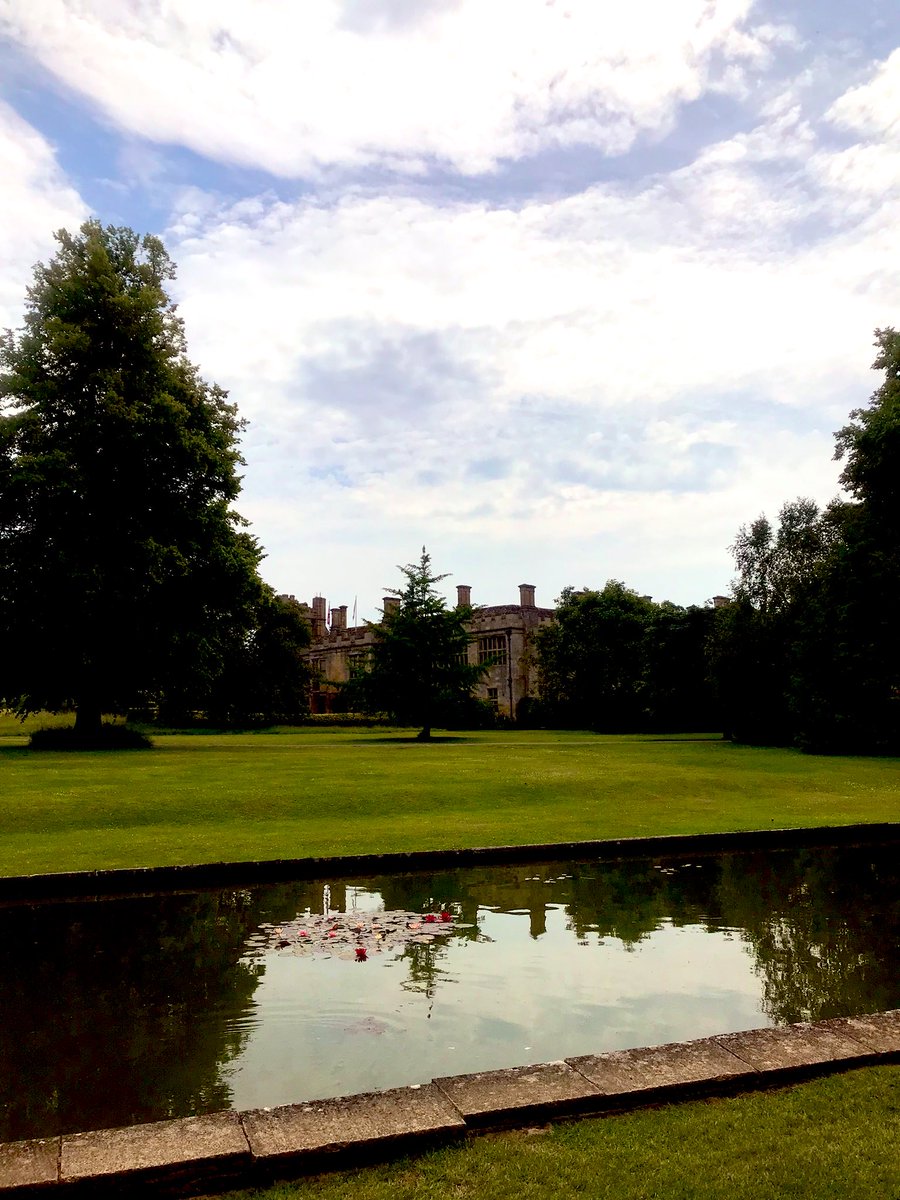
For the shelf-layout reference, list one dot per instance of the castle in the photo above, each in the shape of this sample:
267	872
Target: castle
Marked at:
501	633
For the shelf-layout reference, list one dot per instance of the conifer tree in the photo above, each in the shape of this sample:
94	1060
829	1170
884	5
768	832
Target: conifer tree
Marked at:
417	670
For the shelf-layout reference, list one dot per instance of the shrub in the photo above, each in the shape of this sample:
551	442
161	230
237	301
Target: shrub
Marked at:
109	737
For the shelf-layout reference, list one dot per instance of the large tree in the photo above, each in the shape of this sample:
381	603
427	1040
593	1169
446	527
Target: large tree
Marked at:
591	659
615	661
810	651
124	568
417	671
758	648
266	679
856	610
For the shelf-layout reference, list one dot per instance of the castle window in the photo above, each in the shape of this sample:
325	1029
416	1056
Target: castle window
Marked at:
357	662
494	698
492	650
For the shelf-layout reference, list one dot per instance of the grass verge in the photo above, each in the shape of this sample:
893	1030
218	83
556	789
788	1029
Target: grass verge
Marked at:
833	1139
211	797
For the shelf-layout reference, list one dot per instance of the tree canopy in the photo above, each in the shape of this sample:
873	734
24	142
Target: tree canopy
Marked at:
591	657
615	661
417	671
124	568
266	676
809	653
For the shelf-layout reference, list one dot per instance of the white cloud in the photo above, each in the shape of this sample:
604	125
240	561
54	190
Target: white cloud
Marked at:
872	108
605	384
293	88
35	200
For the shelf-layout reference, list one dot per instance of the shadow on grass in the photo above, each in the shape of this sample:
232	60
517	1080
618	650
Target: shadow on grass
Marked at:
688	737
106	738
18	751
413	740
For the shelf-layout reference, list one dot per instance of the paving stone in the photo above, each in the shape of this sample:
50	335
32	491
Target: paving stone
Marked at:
368	1120
210	1145
879	1032
495	1097
675	1067
791	1047
28	1164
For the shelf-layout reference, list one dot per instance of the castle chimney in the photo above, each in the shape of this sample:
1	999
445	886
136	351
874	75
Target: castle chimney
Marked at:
526	595
339	618
318	617
463	595
390	605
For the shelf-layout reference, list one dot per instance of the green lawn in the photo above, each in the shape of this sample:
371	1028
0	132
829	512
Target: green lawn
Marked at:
207	797
833	1139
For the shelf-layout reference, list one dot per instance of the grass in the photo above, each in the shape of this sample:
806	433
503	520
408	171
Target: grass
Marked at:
206	797
292	793
833	1139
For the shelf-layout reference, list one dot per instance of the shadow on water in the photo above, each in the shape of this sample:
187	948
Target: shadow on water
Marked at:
139	1009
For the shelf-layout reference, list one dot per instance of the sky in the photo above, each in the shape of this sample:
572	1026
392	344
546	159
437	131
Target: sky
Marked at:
565	290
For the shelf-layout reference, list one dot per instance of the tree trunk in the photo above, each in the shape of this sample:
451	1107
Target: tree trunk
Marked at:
88	718
424	735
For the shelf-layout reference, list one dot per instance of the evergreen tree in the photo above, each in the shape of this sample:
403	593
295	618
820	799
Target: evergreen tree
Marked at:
417	671
124	570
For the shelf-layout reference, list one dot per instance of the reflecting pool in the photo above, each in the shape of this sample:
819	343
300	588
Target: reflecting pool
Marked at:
138	1009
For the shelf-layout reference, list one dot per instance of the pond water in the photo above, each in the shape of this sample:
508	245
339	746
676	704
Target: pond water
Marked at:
138	1009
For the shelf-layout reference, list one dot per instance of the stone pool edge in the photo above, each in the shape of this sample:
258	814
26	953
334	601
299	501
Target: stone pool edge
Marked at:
225	1150
77	885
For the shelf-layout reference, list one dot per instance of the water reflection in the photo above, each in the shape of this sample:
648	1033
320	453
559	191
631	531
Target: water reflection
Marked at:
140	1009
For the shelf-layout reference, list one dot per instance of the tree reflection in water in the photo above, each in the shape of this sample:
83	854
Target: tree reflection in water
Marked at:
126	1010
132	1010
824	925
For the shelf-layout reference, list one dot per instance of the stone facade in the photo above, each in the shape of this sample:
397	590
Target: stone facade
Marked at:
503	632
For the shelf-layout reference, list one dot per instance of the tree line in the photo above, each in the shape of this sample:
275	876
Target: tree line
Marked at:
129	581
807	651
617	662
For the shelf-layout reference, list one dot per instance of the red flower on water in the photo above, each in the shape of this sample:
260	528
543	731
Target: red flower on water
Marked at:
361	954
430	918
445	916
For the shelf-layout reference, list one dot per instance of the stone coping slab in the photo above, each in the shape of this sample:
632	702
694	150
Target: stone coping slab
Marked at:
542	1090
30	1164
678	1067
374	1119
210	1146
231	1149
792	1048
73	885
878	1031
